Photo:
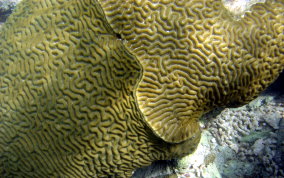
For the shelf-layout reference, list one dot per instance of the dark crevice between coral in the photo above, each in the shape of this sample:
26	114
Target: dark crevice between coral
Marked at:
158	169
4	15
5	12
277	87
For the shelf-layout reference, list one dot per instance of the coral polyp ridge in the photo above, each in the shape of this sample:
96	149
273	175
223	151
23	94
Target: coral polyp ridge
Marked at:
94	88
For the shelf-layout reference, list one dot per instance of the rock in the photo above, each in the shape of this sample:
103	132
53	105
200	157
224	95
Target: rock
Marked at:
273	119
258	146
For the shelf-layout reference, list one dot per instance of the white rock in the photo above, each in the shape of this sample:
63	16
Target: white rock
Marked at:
273	121
258	146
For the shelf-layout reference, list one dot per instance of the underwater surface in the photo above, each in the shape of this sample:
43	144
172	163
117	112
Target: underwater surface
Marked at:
246	141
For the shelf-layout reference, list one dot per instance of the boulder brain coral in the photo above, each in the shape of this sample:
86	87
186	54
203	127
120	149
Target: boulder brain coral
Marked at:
196	57
98	88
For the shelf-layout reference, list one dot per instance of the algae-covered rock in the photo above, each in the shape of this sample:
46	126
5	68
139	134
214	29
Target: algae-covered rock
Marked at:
255	135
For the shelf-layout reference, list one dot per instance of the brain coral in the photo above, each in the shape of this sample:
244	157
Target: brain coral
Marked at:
98	88
196	57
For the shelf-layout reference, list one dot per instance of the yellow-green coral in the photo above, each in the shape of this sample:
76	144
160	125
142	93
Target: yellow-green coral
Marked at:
196	57
76	100
67	106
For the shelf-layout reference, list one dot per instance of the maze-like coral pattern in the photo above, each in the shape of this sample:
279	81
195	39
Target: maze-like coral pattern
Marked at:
68	99
67	103
196	57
